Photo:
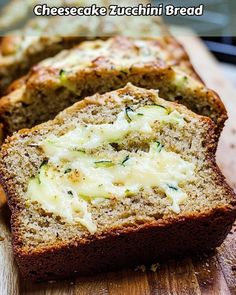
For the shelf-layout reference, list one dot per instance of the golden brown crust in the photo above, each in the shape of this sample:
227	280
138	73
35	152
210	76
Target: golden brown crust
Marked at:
2	197
153	242
16	84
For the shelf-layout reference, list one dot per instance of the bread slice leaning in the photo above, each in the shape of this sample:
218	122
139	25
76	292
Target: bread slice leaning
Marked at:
115	180
42	37
101	66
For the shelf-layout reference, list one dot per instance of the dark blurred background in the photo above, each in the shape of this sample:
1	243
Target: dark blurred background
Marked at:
217	26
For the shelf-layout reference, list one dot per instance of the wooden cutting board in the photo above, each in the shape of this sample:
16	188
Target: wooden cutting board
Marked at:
206	274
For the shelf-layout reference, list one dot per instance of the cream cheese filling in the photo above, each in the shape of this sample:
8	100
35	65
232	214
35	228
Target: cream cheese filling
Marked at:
75	177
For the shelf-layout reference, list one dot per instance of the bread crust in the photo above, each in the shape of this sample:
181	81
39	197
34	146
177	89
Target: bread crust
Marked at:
130	247
176	236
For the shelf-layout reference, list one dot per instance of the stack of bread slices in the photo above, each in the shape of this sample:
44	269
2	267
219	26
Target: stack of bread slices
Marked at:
117	165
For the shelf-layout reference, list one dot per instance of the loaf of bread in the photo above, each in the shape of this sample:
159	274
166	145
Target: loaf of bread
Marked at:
115	180
101	66
44	37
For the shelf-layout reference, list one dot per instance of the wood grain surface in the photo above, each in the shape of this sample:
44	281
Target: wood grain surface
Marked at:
205	274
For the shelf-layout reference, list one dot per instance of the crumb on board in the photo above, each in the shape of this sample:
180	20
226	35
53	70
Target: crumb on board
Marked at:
234	131
140	268
154	267
1	239
143	268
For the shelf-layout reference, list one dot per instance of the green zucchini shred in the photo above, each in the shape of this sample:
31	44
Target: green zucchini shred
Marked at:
172	187
127	110
68	170
62	73
104	163
38	179
124	72
70	193
159	146
45	162
159	105
128	193
125	160
79	150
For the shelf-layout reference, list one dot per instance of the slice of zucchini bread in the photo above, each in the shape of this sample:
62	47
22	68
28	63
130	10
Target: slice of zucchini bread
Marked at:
43	37
101	66
115	180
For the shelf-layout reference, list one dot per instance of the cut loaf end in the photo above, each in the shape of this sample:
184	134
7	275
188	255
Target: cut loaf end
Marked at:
115	180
